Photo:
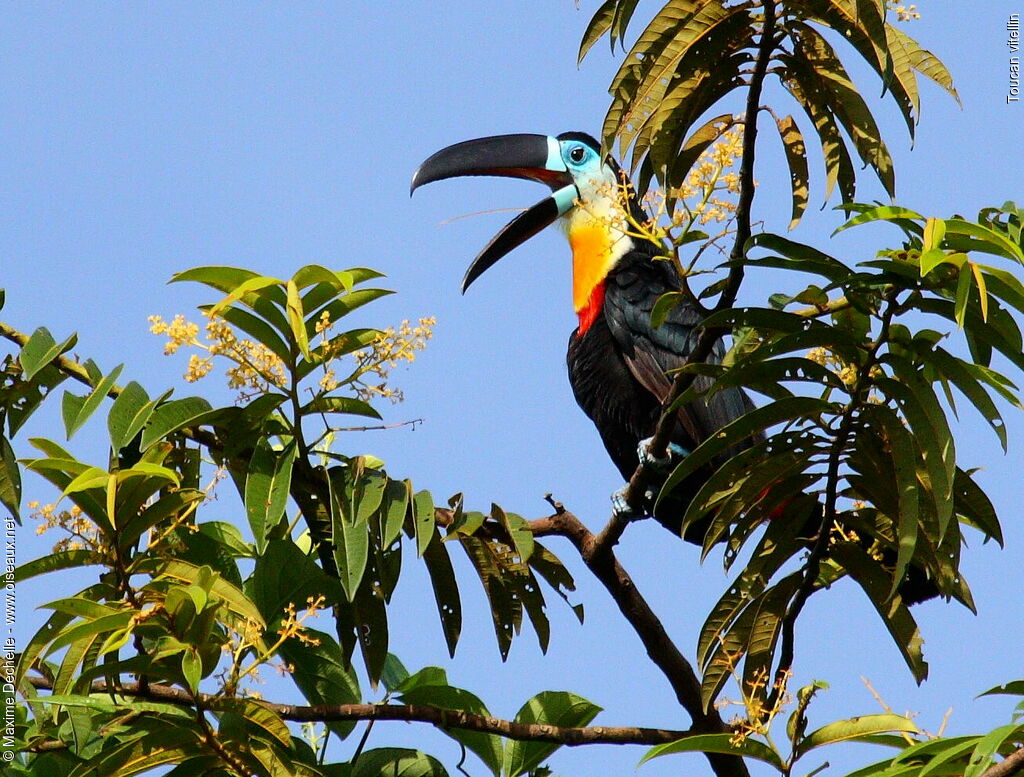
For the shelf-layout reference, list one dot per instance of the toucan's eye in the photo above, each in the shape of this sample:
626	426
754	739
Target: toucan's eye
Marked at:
577	154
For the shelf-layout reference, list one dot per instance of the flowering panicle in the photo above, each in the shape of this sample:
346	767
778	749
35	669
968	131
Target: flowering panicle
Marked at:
392	347
83	533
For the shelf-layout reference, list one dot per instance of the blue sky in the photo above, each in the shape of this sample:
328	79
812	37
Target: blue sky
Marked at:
141	139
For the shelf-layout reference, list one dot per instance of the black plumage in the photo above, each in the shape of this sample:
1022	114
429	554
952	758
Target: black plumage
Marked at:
619	369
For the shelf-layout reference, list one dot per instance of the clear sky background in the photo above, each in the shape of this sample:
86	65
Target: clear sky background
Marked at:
140	139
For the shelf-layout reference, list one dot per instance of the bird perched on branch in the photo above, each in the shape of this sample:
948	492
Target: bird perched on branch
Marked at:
621	366
619	363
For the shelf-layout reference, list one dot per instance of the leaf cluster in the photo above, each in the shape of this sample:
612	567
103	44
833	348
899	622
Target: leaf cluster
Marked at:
192	606
693	54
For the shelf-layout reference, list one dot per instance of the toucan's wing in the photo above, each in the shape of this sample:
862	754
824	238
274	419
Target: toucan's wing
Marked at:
630	295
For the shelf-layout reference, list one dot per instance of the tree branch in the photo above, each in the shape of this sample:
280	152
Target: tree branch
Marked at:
571	736
601	561
1012	764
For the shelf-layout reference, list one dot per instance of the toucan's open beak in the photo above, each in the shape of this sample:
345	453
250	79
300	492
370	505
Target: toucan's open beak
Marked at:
534	157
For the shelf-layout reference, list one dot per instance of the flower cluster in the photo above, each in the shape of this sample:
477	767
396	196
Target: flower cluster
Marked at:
392	347
255	367
714	177
83	533
906	13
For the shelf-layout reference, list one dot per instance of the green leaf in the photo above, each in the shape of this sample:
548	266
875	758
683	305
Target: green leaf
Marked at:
397	762
988	747
10	479
67	559
102	625
814	58
166	745
856	729
985	239
350	536
394	673
877	584
129	413
285	575
258	715
903	217
173	416
40	350
192	668
599	24
666	303
297	319
742	428
343	405
267	485
717	743
963	294
796	157
1014	688
904	458
236	601
553	708
323	675
423	520
486	746
78	409
446	591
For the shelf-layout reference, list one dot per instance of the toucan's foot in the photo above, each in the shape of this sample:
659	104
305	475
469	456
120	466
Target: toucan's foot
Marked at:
622	508
675	453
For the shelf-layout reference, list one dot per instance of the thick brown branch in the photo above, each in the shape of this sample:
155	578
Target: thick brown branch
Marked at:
1012	764
442	718
601	561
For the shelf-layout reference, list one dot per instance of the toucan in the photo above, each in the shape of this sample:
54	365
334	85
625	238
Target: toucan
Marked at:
620	365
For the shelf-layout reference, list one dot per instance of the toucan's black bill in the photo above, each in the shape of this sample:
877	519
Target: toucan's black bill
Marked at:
516	232
533	157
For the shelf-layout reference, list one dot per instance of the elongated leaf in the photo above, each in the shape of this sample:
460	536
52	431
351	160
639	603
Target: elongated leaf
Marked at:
172	416
901	448
717	743
130	412
350	536
820	62
796	158
599	24
67	559
285	575
78	409
988	747
553	708
40	350
169	745
486	746
397	762
446	591
267	485
423	520
897	618
740	429
856	729
236	601
807	92
344	405
10	479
